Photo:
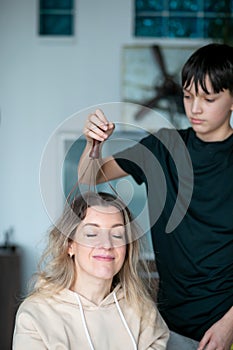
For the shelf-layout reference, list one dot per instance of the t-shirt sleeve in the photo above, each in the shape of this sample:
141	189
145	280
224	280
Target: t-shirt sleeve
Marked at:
135	160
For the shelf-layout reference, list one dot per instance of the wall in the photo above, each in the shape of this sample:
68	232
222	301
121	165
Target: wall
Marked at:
43	82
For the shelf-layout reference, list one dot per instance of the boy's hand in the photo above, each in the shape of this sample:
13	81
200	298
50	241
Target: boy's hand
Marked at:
98	127
219	336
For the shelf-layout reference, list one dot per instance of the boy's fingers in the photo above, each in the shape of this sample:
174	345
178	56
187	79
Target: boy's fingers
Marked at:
101	116
98	121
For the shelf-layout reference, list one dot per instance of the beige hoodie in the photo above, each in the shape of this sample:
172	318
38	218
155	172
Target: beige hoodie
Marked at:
67	321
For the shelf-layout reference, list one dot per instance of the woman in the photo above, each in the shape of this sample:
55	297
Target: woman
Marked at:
88	293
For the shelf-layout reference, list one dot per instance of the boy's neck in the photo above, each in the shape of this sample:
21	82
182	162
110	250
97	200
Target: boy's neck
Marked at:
215	137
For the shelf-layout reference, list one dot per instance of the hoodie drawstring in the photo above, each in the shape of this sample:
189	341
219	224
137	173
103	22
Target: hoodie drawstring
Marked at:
121	316
84	322
124	321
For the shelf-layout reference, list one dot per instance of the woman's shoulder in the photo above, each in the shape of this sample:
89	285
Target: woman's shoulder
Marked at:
31	301
43	299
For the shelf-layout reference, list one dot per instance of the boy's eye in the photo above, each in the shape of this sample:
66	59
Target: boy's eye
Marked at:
210	100
185	95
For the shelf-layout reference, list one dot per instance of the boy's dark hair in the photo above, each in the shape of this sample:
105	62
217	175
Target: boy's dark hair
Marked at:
213	60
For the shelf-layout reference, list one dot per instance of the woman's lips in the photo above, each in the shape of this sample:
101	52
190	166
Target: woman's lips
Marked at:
103	257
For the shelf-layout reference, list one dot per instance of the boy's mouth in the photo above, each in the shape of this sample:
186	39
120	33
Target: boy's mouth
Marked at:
196	121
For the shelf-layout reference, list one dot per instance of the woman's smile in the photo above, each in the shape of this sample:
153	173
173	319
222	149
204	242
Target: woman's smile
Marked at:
102	257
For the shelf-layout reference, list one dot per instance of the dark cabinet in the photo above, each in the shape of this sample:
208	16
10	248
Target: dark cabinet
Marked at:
9	293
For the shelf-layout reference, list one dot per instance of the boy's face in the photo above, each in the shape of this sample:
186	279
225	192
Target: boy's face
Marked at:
209	114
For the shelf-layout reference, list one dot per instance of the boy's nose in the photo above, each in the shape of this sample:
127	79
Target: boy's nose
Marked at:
196	106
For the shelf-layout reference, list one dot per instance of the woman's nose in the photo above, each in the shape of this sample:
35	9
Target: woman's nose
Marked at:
106	242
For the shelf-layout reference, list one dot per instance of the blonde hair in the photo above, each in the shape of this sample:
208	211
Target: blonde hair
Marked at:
56	269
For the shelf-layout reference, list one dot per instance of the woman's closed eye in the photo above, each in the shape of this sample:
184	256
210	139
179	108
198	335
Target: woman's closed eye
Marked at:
118	235
93	236
90	235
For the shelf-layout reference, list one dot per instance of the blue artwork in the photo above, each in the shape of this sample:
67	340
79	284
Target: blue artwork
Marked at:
56	17
184	19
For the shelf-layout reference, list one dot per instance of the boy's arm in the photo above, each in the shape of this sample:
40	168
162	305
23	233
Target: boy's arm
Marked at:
97	127
220	335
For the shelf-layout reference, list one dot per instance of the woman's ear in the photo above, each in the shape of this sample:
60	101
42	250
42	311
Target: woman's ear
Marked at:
71	249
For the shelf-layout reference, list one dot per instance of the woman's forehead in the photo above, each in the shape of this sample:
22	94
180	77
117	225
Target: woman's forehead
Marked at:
99	212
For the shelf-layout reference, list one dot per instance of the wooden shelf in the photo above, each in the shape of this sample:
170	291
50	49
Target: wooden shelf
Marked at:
9	293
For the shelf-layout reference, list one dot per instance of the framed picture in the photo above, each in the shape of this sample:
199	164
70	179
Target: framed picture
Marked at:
151	81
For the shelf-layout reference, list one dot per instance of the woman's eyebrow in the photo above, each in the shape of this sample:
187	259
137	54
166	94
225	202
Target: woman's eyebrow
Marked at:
91	224
97	225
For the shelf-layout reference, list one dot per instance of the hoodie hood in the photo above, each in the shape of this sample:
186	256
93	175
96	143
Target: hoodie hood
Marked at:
70	297
107	302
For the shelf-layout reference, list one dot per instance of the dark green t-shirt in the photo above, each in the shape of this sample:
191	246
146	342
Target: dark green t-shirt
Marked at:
195	259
